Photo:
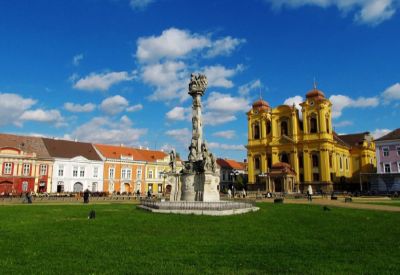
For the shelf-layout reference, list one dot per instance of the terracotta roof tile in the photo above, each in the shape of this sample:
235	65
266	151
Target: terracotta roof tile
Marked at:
354	139
25	143
231	164
395	134
70	149
115	152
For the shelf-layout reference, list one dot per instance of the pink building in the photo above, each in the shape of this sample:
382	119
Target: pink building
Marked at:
388	161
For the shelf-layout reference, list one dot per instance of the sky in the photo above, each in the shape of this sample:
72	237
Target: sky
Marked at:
117	71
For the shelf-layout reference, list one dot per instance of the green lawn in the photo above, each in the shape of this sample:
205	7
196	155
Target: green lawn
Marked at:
59	239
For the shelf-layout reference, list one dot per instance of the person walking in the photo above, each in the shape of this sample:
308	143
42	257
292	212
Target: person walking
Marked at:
309	193
86	196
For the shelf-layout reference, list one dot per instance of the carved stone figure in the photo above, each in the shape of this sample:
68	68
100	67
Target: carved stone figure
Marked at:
172	161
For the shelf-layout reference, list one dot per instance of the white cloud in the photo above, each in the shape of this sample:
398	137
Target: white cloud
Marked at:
218	75
370	12
183	135
339	102
177	113
172	43
245	89
224	46
216	145
114	104
377	133
221	108
170	80
229	134
105	130
78	108
226	103
140	4
12	106
391	93
102	81
77	59
40	115
342	123
134	108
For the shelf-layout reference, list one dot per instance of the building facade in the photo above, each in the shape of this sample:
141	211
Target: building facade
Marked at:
231	171
388	163
124	171
76	166
25	165
306	141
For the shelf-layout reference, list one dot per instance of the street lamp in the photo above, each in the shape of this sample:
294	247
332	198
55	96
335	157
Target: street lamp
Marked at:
234	173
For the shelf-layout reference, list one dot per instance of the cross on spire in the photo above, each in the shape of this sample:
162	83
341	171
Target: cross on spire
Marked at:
315	84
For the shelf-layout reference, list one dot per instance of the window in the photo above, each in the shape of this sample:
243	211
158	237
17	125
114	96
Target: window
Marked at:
7	168
61	170
301	160
150	174
314	160
111	173
26	169
257	163
315	176
75	171
330	161
139	173
256	131
24	186
327	125
95	172
43	169
150	187
385	151
160	188
398	151
313	124
82	172
340	163
387	168
347	164
284	157
268	127
223	176
398	167
126	173
284	128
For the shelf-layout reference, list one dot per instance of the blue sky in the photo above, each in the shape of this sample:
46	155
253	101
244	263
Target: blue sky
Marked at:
116	71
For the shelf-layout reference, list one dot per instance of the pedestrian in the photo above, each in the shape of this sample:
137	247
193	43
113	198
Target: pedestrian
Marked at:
149	194
86	196
29	197
138	193
309	193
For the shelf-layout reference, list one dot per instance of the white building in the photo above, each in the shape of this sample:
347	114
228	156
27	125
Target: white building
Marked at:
77	166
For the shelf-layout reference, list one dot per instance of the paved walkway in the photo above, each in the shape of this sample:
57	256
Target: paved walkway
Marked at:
356	204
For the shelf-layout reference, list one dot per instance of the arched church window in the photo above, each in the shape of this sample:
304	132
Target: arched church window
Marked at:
327	124
256	134
257	164
313	124
284	128
268	127
314	160
284	157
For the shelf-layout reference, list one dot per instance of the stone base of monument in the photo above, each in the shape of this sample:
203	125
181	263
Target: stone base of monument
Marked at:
199	187
219	208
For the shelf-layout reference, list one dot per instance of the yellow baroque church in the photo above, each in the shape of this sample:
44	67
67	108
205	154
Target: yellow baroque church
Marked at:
283	142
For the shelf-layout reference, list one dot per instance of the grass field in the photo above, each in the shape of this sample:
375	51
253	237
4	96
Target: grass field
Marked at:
59	239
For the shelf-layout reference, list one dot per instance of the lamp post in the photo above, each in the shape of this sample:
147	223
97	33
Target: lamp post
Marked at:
234	174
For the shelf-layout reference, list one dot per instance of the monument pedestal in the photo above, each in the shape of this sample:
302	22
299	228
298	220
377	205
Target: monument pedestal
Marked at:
199	187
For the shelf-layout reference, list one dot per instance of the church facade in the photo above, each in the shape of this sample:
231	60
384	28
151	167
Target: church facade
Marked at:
306	141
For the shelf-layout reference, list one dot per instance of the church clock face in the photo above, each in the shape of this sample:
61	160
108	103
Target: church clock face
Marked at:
311	103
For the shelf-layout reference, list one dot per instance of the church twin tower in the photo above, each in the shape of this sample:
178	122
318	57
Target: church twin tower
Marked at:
285	139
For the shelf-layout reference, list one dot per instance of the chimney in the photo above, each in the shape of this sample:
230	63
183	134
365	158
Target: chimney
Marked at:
147	148
75	139
140	147
245	160
121	145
